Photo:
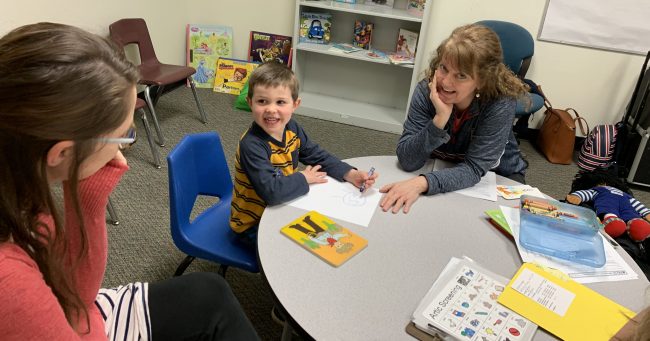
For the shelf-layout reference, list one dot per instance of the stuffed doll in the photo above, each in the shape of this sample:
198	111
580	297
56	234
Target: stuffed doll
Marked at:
613	202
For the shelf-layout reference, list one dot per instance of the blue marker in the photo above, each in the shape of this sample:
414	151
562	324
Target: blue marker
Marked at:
363	185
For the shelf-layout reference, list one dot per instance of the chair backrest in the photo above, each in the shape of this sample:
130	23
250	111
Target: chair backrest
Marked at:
134	31
197	166
516	42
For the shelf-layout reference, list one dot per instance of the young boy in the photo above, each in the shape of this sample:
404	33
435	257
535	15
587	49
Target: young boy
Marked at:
269	151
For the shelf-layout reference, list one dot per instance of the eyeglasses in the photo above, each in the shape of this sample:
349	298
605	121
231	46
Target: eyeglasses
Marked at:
124	141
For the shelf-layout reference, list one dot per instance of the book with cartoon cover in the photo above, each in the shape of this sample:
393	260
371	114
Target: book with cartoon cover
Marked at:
407	42
205	44
363	34
315	27
232	74
323	237
265	47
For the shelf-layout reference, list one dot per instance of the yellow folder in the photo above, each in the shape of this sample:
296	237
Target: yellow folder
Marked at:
562	306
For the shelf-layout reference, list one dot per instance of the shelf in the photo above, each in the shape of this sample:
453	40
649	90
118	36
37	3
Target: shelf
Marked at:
351	112
377	11
359	55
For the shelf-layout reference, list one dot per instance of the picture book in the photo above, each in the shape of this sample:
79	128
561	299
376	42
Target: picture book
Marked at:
315	27
376	54
323	237
205	44
563	307
348	1
232	74
462	304
516	191
416	7
264	47
407	42
500	221
387	3
362	34
400	59
344	47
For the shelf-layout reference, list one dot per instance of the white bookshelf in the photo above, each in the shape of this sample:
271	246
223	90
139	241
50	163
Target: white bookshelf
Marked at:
353	88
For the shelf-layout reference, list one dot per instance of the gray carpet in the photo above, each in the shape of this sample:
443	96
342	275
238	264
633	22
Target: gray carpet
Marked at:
140	247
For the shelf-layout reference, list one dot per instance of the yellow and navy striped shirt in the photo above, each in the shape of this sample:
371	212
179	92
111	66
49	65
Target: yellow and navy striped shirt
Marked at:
266	171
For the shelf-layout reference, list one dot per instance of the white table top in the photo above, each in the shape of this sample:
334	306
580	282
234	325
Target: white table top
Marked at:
372	295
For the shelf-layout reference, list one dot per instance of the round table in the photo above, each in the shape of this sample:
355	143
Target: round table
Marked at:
373	295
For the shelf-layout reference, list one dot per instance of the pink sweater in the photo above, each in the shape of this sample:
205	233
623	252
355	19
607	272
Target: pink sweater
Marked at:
28	308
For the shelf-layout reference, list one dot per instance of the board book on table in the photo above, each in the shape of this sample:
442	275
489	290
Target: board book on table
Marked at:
325	238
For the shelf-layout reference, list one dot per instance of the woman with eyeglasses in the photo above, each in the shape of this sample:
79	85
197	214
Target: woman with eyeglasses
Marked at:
461	112
67	99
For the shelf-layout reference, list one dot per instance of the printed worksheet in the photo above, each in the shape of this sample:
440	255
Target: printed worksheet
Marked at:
340	200
615	268
486	188
550	295
462	303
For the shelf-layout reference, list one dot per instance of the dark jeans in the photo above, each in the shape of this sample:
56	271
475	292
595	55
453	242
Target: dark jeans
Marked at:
248	237
197	306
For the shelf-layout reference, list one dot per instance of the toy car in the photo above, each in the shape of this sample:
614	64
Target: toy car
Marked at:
315	30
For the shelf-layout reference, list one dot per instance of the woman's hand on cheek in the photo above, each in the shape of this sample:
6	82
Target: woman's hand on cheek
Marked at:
443	110
401	195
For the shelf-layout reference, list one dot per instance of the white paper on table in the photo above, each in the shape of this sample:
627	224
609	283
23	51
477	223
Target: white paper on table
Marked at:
615	268
340	200
550	295
486	188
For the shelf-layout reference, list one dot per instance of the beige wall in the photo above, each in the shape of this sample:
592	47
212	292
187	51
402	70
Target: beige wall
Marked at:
597	83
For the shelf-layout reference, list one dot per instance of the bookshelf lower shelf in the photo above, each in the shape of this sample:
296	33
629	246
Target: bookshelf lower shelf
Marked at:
351	112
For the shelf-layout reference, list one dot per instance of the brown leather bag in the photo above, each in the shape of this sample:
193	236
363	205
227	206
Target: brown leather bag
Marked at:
557	135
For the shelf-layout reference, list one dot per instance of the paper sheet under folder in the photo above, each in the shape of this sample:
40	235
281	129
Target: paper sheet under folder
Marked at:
562	306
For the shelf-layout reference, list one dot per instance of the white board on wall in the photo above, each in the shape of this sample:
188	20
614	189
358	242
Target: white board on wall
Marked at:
620	25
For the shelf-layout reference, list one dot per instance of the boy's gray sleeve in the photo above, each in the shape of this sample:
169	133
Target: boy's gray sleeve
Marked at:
484	152
312	154
269	183
420	136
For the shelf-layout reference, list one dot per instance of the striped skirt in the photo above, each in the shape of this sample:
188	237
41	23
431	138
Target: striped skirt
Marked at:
125	310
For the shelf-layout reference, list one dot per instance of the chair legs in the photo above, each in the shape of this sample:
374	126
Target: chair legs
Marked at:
188	260
111	212
156	125
147	128
151	103
204	119
183	266
222	270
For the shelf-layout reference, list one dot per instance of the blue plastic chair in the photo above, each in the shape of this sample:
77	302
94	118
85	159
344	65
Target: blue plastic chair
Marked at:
518	48
197	166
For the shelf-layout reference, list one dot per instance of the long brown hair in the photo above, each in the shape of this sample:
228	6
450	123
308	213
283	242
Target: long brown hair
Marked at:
475	50
57	82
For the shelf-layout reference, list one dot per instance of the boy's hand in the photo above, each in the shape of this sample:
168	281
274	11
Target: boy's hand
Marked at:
313	175
573	199
357	177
